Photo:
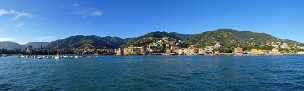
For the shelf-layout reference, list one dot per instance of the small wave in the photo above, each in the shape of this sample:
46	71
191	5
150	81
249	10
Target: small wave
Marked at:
182	76
5	86
197	73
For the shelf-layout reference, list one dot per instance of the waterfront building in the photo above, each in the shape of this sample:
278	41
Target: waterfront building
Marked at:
201	51
302	52
216	52
185	51
174	49
275	51
118	51
131	50
258	52
254	51
238	51
86	51
181	51
191	50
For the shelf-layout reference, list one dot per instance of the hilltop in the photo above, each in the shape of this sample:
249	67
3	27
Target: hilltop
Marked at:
10	45
156	36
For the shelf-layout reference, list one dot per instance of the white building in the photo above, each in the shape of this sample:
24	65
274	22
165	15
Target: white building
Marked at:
284	46
217	45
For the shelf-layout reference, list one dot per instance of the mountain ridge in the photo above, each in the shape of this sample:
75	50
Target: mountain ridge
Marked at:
225	36
89	41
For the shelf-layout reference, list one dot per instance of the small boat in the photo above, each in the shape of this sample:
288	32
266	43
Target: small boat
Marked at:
22	56
166	54
40	57
65	56
57	57
76	57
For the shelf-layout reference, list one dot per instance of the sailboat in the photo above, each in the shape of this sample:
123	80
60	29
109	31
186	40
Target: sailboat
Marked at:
57	57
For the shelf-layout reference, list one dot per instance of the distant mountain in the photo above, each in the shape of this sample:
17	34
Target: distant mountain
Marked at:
36	44
10	45
81	41
233	38
292	42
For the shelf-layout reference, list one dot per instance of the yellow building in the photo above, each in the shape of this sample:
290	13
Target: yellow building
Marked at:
192	51
131	50
275	51
201	51
254	51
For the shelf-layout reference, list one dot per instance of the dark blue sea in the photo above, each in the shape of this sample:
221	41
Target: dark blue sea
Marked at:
154	73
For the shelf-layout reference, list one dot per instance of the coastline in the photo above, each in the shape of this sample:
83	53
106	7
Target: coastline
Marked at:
225	54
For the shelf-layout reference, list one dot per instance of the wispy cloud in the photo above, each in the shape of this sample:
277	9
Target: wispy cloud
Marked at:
83	10
91	12
14	14
19	25
96	13
6	39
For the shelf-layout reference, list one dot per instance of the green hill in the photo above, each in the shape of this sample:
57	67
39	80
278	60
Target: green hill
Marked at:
81	41
230	38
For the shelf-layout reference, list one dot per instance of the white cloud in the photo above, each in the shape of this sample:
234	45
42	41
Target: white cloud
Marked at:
6	39
5	12
96	13
91	12
15	14
21	14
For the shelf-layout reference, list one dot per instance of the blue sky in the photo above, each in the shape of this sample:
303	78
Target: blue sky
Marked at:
47	20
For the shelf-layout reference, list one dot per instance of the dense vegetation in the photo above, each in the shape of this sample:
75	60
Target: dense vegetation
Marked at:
81	41
230	39
153	37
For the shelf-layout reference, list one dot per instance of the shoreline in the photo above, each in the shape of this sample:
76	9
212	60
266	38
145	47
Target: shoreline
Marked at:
59	57
230	54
